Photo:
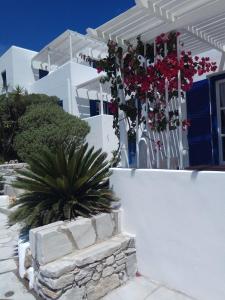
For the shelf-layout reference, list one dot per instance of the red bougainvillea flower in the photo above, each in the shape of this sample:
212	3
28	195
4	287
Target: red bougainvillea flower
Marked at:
99	69
143	77
158	144
186	124
113	107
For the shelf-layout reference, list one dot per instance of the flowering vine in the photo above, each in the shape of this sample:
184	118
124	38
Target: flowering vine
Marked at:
140	72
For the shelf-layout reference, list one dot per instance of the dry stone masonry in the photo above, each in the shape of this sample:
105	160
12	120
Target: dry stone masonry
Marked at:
9	172
82	259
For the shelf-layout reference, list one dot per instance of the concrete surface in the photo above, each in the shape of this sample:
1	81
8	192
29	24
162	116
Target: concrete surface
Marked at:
11	286
141	288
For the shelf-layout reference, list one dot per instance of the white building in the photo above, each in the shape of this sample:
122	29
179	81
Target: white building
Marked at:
58	70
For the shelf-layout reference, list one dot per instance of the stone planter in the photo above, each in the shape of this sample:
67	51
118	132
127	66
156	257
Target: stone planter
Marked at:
82	259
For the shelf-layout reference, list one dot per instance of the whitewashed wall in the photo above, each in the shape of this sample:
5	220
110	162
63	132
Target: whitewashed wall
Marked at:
179	220
102	134
55	84
16	62
62	81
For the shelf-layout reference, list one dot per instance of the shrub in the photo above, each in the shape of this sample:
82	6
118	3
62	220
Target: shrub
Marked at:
63	185
12	107
44	126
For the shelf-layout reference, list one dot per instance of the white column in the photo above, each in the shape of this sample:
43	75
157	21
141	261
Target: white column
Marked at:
222	62
180	130
75	106
157	150
123	135
49	61
123	128
157	133
71	46
101	99
70	96
137	137
168	154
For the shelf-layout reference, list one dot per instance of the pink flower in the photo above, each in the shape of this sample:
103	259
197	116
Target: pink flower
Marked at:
99	69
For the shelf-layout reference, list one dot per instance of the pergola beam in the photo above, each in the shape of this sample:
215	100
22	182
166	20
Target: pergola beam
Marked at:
183	22
66	46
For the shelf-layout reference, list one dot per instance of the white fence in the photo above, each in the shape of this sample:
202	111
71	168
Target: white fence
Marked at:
179	220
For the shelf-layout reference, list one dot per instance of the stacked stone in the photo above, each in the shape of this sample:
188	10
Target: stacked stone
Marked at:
8	171
99	258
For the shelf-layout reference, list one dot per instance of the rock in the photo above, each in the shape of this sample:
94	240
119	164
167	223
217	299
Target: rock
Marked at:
83	273
120	256
120	268
123	277
58	268
33	232
76	293
98	252
107	271
93	265
52	244
82	232
132	242
121	261
117	214
130	251
104	226
96	276
85	280
109	261
131	265
28	258
90	285
60	282
99	268
49	293
104	286
124	242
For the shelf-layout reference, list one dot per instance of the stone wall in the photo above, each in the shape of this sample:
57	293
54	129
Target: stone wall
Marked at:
8	171
82	259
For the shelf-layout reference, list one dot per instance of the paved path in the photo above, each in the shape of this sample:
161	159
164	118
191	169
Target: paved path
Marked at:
141	288
11	287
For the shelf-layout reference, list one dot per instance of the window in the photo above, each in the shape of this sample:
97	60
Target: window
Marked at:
42	73
220	90
95	108
4	80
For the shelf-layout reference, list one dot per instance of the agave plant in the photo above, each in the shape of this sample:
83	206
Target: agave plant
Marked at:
63	185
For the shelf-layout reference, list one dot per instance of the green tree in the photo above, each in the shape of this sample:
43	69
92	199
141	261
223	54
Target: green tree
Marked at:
45	126
12	107
64	184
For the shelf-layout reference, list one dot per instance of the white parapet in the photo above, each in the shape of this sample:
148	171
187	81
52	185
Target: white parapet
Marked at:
178	218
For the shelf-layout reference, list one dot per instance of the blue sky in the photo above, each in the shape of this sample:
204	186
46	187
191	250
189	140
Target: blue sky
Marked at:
34	23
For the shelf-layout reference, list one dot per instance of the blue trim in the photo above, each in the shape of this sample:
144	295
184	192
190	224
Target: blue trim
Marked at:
214	117
199	134
132	152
